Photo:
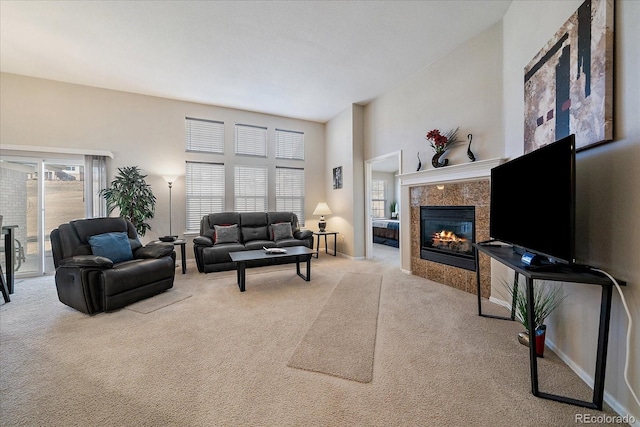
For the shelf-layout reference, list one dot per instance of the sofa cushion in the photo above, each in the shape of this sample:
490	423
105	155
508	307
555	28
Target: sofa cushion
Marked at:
114	246
253	219
281	231
226	234
220	253
254	233
259	244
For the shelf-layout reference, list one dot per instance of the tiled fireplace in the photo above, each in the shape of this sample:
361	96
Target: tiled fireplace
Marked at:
459	186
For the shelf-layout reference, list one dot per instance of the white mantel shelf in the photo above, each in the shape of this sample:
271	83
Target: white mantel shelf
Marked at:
454	173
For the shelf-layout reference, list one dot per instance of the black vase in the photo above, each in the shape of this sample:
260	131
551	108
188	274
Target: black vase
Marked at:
436	162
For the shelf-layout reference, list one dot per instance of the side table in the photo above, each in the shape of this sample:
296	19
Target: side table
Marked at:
183	251
506	256
326	247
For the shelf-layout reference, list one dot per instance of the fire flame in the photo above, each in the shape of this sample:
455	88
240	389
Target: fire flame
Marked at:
447	236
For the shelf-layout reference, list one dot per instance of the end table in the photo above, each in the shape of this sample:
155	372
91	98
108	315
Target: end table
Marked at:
183	252
326	247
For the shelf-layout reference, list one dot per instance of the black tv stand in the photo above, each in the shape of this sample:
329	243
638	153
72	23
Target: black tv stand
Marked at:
543	267
562	273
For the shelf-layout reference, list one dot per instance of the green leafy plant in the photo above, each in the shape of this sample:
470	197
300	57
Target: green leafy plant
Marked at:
131	194
546	299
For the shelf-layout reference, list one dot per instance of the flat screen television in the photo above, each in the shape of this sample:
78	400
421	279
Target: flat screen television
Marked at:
533	202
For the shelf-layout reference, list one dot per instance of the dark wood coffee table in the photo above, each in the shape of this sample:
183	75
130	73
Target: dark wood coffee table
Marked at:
244	259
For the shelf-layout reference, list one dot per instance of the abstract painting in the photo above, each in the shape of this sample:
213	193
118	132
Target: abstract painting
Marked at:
568	85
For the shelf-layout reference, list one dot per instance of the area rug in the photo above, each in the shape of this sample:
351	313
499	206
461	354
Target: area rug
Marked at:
157	302
341	340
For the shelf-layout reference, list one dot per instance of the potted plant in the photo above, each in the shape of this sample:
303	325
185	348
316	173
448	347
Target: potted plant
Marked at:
393	207
130	193
546	299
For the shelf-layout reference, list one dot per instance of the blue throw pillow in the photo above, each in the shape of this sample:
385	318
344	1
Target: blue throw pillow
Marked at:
114	246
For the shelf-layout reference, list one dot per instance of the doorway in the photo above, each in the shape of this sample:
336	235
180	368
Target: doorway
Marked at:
382	202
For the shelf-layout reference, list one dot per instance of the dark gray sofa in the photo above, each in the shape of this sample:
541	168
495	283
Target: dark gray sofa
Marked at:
92	283
253	230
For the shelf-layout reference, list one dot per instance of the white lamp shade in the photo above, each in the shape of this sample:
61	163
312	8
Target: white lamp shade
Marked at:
170	178
322	209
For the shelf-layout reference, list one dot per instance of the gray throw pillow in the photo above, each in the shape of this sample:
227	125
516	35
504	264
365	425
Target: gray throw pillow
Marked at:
226	234
282	231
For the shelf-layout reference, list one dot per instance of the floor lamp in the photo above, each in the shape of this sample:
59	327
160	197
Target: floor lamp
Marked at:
170	180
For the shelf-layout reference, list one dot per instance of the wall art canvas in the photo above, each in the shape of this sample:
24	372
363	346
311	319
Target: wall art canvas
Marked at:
568	85
337	177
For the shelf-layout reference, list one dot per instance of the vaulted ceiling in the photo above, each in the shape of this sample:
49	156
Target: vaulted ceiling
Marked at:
301	59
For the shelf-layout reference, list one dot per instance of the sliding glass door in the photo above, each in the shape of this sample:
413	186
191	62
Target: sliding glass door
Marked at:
37	196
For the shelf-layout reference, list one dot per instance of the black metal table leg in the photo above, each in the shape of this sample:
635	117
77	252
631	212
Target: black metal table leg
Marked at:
241	268
9	256
603	341
308	260
479	294
533	361
183	254
318	247
5	290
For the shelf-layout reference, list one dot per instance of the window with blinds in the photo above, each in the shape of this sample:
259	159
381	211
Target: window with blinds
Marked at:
205	136
250	188
378	198
290	191
204	191
250	140
289	145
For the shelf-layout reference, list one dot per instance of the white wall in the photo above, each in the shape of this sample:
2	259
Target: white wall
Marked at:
608	192
463	89
344	147
145	131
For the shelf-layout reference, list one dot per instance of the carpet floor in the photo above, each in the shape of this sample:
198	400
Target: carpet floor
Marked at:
219	358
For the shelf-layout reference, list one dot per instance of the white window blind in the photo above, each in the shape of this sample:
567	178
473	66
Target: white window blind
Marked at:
250	188
290	191
251	140
289	144
205	136
204	191
378	198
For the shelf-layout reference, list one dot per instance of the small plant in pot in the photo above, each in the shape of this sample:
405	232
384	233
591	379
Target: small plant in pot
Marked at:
546	299
131	194
393	207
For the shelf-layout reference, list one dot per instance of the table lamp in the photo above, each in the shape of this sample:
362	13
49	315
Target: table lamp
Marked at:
322	209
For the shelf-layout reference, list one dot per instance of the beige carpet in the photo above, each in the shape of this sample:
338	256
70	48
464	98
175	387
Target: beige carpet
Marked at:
220	358
157	302
342	339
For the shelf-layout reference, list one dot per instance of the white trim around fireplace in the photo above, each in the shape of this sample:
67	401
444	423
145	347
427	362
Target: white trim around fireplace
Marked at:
454	173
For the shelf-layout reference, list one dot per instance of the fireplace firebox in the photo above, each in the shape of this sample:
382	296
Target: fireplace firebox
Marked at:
447	234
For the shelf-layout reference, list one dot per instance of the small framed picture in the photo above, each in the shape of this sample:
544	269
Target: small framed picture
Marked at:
337	177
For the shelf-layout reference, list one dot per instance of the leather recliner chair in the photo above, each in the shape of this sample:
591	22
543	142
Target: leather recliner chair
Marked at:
93	283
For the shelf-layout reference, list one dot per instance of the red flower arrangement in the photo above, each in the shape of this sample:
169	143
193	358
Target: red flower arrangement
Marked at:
441	143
